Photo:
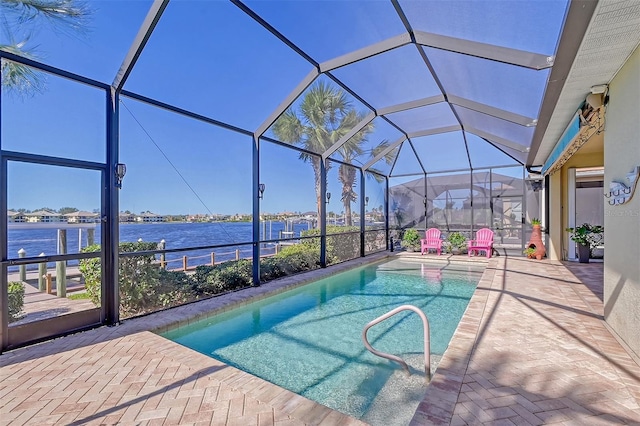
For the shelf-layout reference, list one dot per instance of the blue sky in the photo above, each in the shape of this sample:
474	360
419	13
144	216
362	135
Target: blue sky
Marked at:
209	57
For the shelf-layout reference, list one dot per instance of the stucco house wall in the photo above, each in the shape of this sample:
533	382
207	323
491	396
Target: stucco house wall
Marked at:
622	222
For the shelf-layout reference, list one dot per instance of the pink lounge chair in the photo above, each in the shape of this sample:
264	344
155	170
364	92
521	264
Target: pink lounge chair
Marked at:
431	241
483	242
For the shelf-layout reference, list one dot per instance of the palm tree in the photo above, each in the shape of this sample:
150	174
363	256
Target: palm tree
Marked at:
347	174
324	116
18	19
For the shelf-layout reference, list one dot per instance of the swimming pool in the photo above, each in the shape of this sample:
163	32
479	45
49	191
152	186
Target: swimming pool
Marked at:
308	339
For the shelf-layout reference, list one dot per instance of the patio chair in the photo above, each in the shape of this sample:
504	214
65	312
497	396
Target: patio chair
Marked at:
483	242
431	241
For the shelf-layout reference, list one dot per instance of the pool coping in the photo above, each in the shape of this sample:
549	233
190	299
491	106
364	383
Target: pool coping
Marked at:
442	392
441	395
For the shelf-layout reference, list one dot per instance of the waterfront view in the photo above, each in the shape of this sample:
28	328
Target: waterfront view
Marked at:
176	235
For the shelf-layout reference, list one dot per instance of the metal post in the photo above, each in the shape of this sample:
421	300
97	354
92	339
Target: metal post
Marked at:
362	213
256	209
323	214
79	240
23	268
523	226
386	212
471	207
4	290
110	230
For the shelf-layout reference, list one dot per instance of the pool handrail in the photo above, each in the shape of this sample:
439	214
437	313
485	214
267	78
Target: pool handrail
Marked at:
427	349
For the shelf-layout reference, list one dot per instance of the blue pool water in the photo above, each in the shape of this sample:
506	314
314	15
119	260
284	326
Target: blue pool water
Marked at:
308	340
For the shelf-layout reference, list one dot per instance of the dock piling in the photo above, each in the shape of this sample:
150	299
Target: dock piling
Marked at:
23	268
42	272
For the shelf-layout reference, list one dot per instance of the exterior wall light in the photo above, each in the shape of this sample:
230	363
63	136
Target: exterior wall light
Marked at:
261	188
121	170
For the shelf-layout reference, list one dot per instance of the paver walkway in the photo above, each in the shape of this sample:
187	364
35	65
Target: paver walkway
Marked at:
531	349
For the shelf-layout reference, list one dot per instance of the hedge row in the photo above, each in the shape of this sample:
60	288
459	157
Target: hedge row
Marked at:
146	287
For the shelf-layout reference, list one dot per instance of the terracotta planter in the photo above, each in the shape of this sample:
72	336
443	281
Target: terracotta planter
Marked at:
536	242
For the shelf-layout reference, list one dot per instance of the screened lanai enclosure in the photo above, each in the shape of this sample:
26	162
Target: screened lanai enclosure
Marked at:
153	152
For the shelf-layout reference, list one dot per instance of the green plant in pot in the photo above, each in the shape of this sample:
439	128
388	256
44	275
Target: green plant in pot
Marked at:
587	237
530	252
457	241
411	240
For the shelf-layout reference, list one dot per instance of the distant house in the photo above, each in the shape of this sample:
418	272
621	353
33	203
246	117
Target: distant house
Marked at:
15	217
147	217
43	216
127	217
82	217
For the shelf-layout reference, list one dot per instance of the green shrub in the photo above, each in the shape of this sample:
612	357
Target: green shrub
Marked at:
411	240
175	288
339	247
79	296
298	258
233	275
374	240
272	268
16	300
140	284
456	241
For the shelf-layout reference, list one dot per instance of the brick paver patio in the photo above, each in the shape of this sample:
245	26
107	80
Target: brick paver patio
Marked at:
531	349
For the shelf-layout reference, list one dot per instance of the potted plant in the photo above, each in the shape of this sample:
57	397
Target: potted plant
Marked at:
411	240
457	242
530	252
587	237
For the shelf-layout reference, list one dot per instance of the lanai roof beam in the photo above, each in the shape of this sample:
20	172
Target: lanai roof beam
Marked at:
144	33
366	52
492	52
384	152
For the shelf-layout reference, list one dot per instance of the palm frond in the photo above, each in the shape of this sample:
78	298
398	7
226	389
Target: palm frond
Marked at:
389	156
19	79
62	15
288	128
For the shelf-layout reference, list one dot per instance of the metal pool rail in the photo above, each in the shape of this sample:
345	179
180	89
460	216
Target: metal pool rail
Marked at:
427	349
